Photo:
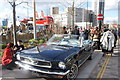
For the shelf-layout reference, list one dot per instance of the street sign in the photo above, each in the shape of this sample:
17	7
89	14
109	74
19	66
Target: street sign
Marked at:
100	17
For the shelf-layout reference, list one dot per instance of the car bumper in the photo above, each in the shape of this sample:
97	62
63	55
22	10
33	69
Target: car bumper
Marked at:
41	70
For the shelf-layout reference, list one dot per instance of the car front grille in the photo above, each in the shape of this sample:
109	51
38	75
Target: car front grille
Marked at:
38	62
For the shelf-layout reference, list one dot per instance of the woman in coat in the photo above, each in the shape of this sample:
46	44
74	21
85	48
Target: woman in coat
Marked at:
107	40
8	57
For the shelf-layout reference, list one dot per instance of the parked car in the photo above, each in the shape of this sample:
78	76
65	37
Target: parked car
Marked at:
60	57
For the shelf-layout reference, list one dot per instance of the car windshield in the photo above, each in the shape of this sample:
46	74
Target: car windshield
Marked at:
65	40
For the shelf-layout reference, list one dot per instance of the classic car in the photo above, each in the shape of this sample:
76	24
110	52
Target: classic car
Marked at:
60	57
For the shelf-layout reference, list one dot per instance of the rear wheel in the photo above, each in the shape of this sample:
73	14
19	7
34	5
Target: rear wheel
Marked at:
72	75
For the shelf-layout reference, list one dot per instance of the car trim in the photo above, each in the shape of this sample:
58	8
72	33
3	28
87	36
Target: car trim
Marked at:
37	60
84	60
41	71
37	65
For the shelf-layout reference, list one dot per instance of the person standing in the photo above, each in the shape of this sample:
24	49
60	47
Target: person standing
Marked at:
92	31
8	59
115	34
118	33
64	30
107	41
86	34
75	31
69	31
96	38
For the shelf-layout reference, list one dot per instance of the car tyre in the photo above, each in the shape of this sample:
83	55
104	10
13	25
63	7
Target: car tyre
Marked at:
72	75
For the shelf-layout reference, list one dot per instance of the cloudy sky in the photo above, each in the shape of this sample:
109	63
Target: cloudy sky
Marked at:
23	10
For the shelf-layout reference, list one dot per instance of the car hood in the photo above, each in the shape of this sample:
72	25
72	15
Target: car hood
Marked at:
51	52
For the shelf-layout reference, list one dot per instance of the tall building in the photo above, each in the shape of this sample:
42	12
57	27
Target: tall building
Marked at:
95	6
80	15
119	14
55	10
98	8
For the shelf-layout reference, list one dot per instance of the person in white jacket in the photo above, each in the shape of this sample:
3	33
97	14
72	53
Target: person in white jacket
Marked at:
107	41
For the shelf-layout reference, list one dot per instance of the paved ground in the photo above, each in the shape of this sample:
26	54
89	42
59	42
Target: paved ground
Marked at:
88	67
112	68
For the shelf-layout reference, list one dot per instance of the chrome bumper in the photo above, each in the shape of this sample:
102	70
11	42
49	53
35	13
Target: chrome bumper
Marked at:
31	68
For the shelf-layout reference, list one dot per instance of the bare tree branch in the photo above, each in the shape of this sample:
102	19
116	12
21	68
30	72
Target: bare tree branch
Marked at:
81	3
10	3
19	3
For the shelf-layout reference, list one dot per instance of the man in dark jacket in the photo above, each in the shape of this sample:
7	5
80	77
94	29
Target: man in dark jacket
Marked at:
86	34
75	31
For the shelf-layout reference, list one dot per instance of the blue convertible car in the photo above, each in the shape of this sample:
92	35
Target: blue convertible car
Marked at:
60	57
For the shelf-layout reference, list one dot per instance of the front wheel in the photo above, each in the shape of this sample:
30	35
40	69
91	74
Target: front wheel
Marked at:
72	75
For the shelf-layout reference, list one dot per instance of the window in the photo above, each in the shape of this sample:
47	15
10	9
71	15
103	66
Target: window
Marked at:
44	18
50	19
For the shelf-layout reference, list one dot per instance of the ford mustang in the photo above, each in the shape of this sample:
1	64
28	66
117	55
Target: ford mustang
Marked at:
60	57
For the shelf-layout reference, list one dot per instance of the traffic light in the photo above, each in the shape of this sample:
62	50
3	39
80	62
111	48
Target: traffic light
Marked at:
91	17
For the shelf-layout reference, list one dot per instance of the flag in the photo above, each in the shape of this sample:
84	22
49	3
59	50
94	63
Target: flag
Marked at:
42	13
37	14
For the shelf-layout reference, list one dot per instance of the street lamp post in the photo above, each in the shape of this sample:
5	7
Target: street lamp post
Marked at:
73	13
34	19
14	23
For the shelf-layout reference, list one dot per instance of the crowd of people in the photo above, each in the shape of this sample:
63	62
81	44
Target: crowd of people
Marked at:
104	39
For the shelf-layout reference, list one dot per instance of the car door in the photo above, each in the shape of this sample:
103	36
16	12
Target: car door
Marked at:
87	46
83	51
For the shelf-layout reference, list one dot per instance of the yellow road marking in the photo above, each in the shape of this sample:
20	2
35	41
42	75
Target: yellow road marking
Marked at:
103	68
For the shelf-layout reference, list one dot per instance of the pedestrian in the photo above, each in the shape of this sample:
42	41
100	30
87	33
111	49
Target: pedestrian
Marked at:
92	31
75	31
80	30
64	31
118	33
85	34
107	41
69	31
96	38
115	34
19	46
8	59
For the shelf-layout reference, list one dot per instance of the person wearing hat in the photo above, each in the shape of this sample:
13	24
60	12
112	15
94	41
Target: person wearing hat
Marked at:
8	60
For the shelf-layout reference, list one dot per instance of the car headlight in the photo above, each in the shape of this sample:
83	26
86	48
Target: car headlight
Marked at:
18	57
62	65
